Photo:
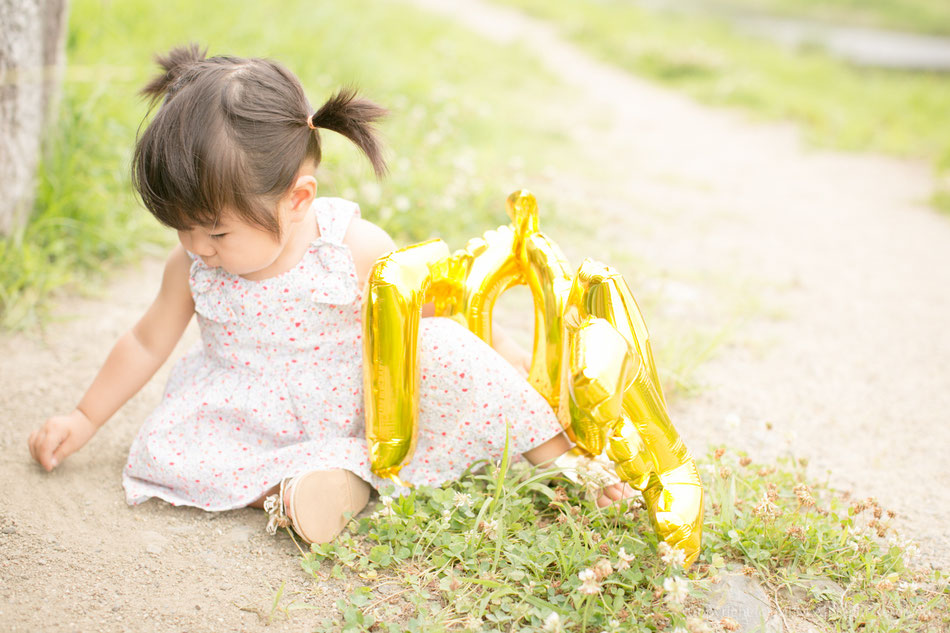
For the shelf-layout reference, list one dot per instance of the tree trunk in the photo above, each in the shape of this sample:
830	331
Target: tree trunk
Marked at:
32	38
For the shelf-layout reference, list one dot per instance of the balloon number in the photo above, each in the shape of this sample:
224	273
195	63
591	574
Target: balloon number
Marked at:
592	359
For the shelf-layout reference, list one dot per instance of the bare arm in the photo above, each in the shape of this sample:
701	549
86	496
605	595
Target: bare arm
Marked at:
367	243
134	359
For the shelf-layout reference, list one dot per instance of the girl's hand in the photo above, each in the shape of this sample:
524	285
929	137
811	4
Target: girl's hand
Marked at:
60	437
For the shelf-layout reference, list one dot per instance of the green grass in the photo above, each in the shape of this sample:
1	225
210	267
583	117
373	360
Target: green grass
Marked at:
504	549
470	122
837	105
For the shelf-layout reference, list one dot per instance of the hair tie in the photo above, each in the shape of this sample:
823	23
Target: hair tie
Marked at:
310	122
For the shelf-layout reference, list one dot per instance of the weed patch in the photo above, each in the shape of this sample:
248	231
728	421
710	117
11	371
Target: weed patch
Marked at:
521	549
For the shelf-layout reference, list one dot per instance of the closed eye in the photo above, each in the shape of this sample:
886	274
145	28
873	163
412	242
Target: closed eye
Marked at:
217	236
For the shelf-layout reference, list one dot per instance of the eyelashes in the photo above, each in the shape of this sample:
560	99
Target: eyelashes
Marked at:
217	236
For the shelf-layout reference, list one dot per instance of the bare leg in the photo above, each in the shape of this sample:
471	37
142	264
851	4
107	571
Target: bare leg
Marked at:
546	453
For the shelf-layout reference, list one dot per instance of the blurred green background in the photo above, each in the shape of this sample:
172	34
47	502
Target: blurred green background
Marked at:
465	127
471	120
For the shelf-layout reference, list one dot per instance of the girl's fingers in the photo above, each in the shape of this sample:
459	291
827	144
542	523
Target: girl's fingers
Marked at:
48	444
38	437
64	450
614	492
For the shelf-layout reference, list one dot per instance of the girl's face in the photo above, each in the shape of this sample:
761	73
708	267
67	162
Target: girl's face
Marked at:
247	250
234	245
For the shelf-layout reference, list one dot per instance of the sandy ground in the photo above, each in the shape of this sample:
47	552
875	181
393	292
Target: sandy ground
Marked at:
824	276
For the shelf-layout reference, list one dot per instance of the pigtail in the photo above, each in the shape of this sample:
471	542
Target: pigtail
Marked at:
175	63
352	117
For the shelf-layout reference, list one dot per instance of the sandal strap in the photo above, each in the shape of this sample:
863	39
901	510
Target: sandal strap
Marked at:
274	506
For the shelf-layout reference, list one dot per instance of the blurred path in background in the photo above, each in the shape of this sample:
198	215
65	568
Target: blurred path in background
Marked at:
860	45
841	353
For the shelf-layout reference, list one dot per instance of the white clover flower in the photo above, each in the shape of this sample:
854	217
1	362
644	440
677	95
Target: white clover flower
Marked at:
386	500
552	623
671	555
911	552
625	559
490	528
589	584
676	589
462	499
602	568
766	509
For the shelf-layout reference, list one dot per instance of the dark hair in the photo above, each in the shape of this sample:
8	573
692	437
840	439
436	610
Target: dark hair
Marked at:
233	132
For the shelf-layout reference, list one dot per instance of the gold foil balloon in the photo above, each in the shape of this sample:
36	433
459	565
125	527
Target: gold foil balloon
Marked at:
468	283
391	311
600	368
659	464
592	359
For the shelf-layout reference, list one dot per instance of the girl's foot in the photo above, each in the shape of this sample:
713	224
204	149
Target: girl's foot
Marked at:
613	493
317	504
597	475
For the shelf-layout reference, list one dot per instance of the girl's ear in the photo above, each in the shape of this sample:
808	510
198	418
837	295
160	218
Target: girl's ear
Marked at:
301	195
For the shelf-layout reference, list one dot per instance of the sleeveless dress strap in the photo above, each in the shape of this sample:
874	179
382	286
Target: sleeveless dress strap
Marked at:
333	218
209	290
338	283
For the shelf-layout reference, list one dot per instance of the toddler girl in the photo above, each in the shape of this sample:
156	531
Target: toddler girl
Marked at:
270	402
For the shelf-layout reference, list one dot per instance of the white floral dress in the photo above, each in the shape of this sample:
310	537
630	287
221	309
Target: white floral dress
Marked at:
275	388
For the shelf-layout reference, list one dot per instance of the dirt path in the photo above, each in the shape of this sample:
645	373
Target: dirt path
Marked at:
833	267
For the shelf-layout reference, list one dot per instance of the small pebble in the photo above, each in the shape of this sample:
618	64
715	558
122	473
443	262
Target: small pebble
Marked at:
10	529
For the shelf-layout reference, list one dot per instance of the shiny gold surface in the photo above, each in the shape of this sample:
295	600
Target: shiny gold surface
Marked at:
391	311
592	359
659	464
